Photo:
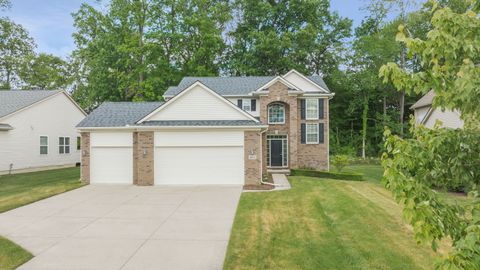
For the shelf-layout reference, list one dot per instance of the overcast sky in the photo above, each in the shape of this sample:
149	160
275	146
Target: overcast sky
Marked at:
50	22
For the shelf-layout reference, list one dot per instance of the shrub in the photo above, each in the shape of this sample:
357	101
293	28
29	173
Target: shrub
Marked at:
325	174
340	161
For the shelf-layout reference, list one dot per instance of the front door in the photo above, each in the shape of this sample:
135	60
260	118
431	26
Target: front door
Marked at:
276	153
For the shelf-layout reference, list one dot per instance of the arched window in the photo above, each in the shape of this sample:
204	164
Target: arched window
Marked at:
276	113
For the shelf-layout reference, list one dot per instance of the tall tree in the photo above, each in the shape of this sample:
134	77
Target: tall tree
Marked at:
272	37
45	71
15	46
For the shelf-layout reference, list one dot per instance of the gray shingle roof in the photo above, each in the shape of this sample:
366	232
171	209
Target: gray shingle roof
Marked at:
118	114
232	86
14	100
194	123
426	100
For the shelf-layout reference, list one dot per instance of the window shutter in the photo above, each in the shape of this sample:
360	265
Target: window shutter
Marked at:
302	109
320	108
239	103
321	132
254	105
303	133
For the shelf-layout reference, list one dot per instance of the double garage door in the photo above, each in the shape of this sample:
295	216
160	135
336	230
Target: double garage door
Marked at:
180	158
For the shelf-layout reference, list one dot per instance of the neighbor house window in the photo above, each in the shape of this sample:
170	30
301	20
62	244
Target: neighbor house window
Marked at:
43	145
64	145
312	133
79	143
276	114
311	108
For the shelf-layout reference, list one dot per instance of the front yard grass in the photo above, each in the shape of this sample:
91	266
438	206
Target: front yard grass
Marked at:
20	189
324	224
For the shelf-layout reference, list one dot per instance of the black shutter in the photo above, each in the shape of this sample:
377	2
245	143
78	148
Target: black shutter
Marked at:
303	133
320	108
254	105
239	103
302	109
321	133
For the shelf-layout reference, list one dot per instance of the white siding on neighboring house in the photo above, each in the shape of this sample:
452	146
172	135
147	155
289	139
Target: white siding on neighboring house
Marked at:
450	119
199	157
54	117
420	114
198	104
301	83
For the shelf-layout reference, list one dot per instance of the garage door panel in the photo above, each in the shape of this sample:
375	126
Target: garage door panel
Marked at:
199	165
111	165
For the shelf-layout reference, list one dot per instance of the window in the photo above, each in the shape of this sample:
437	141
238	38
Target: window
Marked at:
247	105
79	143
312	133
312	108
43	145
64	145
276	114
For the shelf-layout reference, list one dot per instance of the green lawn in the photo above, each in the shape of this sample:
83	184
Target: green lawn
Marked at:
21	189
325	224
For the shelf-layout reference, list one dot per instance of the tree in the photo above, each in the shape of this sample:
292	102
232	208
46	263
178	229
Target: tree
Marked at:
15	45
449	57
45	71
272	37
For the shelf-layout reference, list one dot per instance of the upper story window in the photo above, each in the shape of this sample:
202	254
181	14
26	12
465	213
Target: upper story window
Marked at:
248	105
64	145
311	108
43	145
276	113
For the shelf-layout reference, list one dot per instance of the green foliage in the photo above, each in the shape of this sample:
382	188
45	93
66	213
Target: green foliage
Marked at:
15	46
329	175
340	161
45	71
443	158
272	37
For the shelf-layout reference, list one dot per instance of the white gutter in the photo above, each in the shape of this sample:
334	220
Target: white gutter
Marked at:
143	128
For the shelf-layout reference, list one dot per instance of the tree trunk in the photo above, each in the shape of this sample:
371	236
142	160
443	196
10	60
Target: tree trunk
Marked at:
364	126
402	93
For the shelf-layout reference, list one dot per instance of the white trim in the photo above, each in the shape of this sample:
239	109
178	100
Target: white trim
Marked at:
316	100
274	80
147	128
268	114
306	133
45	99
197	83
307	79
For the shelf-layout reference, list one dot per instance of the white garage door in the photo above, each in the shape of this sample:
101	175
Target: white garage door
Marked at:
111	158
199	158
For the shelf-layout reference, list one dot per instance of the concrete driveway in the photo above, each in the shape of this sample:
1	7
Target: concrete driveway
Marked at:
126	227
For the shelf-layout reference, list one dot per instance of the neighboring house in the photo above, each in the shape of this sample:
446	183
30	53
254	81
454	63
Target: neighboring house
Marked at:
426	115
37	130
210	130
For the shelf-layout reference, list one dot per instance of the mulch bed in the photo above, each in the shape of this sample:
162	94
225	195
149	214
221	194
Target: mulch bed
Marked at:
258	187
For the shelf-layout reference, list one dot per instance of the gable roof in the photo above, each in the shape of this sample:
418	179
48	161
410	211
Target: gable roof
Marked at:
424	101
118	114
205	88
15	100
232	86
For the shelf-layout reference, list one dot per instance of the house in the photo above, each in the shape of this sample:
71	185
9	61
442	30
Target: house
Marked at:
37	130
210	130
426	115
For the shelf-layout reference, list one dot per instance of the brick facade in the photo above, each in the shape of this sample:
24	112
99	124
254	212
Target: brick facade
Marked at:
85	167
143	158
252	142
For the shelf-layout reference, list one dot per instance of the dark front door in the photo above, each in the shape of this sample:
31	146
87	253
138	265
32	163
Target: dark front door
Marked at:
276	153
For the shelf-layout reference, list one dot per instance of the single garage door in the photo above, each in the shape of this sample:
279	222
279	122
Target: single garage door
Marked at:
111	158
199	158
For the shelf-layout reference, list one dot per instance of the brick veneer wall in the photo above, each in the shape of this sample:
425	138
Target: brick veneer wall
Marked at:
315	155
85	147
143	164
253	172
